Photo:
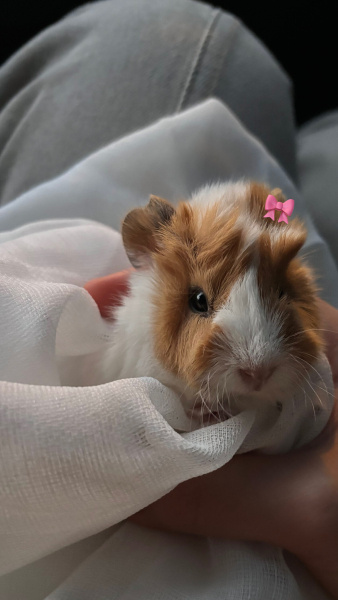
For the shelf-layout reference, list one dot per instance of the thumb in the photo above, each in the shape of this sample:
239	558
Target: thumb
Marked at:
107	291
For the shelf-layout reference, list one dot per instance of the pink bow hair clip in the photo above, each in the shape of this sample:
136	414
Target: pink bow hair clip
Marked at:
286	208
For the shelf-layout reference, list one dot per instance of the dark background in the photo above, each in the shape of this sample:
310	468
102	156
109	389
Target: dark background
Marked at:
301	36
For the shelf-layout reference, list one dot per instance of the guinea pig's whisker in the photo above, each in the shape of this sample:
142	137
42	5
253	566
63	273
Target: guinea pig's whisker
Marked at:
320	377
314	391
208	387
225	400
308	354
326	391
319	399
201	408
312	367
301	373
312	406
192	410
207	404
323	390
227	393
307	397
225	396
200	393
300	385
298	375
299	382
213	413
308	365
183	392
217	398
206	409
219	406
204	404
311	329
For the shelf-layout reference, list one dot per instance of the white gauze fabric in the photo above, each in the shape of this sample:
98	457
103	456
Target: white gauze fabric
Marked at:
76	460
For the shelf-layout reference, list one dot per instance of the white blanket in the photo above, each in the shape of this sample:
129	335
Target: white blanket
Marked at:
76	460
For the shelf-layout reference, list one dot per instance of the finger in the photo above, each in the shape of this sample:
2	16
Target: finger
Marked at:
108	291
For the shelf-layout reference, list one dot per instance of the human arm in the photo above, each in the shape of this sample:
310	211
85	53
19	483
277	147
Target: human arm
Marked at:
288	500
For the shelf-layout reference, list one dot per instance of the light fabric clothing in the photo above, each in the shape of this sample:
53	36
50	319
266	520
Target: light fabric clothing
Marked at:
113	67
87	458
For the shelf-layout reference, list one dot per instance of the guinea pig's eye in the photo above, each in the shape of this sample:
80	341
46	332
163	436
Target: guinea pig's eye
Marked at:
198	302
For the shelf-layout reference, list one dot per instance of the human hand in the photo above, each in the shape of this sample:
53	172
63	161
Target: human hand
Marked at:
313	480
313	489
308	496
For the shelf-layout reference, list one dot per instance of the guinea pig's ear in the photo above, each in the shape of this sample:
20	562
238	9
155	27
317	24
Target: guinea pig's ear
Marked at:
140	227
278	194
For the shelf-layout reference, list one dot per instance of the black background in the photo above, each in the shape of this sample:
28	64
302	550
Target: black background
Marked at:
301	36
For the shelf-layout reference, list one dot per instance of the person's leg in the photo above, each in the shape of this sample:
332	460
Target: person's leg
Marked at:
113	67
318	174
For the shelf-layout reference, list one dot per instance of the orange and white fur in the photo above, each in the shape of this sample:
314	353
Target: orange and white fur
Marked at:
220	307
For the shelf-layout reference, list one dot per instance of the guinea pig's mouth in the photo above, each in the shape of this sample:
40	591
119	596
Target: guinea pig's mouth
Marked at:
208	408
207	415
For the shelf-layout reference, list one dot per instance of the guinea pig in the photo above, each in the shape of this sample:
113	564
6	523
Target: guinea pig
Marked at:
221	308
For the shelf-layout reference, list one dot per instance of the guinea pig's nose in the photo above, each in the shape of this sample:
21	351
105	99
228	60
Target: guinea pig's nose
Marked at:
254	378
